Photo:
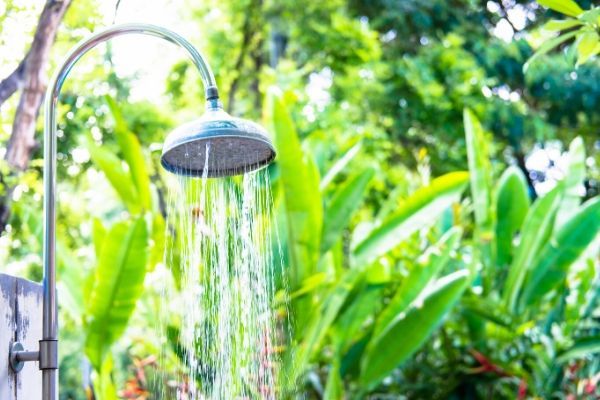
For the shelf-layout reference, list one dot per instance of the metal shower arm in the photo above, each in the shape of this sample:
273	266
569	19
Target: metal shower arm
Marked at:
48	350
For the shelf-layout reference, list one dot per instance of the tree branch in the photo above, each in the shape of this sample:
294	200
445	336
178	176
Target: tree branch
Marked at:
13	82
22	139
248	33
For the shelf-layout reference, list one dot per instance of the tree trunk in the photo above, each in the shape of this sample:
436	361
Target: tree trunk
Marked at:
34	81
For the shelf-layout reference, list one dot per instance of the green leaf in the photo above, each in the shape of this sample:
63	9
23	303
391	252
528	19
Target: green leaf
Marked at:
415	213
340	165
322	319
547	46
419	276
133	154
119	179
560	25
512	204
342	206
300	180
479	171
587	46
566	246
98	235
567	7
582	347
573	182
118	283
104	387
351	323
334	388
409	331
536	230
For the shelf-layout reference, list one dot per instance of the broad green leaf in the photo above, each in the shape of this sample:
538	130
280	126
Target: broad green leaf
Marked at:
322	319
351	322
547	46
300	180
98	235
573	182
565	247
133	154
417	212
104	387
419	276
119	280
72	281
536	230
340	165
512	204
583	347
119	179
479	171
587	45
559	25
410	330
480	176
345	201
334	388
567	7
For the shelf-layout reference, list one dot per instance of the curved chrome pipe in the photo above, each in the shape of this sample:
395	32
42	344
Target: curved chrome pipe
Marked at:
48	352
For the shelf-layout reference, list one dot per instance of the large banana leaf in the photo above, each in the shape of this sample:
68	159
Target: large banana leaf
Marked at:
512	204
420	275
411	329
300	180
417	212
345	201
119	278
133	155
566	246
479	172
574	180
112	167
534	234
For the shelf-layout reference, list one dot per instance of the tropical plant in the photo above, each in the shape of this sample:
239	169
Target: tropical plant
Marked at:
337	286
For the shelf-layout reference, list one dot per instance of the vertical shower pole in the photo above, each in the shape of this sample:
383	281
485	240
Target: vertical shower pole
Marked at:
47	355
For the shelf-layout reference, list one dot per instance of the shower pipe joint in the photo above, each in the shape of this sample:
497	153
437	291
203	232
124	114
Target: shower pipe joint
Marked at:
47	355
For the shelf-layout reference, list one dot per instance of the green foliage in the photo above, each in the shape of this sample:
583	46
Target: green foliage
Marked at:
407	333
512	204
419	210
118	284
587	41
303	208
382	102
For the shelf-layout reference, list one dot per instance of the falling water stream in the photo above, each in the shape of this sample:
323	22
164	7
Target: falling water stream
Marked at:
218	316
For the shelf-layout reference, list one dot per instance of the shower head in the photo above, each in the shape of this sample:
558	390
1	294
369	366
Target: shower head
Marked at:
217	145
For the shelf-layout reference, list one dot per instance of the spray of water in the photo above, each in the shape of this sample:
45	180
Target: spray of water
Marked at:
218	315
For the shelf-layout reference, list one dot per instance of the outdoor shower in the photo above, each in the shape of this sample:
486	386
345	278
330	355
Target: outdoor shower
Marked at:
236	146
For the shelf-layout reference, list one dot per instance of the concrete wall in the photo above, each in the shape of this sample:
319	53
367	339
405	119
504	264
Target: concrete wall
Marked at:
20	320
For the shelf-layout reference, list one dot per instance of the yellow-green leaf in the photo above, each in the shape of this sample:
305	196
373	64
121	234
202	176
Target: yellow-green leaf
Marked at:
567	7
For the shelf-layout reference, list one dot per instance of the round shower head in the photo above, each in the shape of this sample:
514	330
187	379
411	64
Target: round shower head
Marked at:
217	145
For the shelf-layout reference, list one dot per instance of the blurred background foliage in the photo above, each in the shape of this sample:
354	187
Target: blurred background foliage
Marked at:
448	244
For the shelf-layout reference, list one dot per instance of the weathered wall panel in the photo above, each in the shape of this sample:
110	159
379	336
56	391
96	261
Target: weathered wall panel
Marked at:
20	319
